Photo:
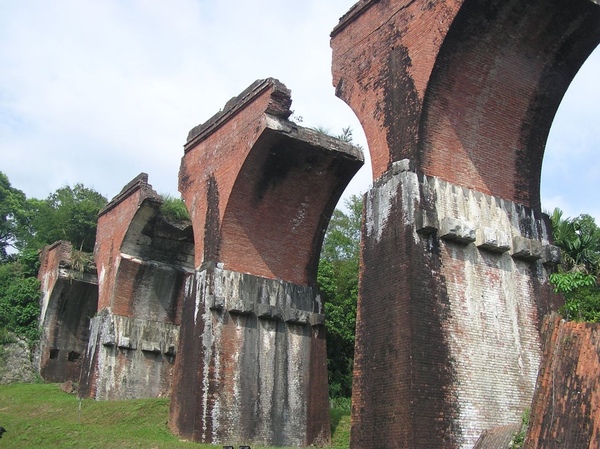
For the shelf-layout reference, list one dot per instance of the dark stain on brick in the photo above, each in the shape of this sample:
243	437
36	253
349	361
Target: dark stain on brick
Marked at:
186	399
403	369
212	225
402	108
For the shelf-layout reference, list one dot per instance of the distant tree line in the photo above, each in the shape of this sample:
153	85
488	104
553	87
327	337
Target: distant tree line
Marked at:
26	226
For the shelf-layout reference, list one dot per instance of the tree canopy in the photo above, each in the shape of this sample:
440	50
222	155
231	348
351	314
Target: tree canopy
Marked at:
338	283
70	213
12	203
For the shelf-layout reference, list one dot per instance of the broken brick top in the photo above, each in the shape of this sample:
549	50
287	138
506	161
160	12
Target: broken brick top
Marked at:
139	187
353	13
260	189
132	228
466	89
54	255
278	106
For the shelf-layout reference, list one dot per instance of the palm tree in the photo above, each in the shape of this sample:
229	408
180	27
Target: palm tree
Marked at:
578	277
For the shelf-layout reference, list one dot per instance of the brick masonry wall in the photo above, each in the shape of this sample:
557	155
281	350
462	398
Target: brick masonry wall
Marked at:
130	358
51	257
447	334
566	404
143	263
452	85
251	367
113	223
256	183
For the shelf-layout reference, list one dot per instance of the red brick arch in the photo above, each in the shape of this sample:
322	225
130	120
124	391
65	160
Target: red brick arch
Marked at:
261	190
497	82
456	99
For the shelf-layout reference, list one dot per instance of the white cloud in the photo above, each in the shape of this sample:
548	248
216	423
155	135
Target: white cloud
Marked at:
571	170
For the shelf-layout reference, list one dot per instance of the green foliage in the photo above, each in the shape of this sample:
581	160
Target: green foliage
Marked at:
81	261
6	337
582	304
346	135
68	214
577	278
28	225
19	301
338	283
42	416
569	282
340	425
519	439
174	208
579	241
12	203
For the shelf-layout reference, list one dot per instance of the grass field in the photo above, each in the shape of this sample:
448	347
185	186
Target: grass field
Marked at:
42	416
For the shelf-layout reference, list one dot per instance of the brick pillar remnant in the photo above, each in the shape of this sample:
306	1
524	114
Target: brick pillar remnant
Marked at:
69	299
143	259
456	99
252	361
565	411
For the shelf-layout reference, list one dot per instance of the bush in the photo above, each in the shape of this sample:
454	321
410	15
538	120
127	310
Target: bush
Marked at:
174	208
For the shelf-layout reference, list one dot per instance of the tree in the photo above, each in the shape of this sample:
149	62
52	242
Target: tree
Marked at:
12	202
338	284
68	214
577	277
27	225
19	301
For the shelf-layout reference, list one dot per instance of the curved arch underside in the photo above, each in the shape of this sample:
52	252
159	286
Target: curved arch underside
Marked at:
497	83
467	90
280	206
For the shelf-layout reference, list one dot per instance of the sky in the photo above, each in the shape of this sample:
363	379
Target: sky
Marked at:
96	92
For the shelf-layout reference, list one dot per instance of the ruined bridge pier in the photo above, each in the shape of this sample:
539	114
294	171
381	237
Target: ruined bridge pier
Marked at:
69	299
456	99
251	364
143	260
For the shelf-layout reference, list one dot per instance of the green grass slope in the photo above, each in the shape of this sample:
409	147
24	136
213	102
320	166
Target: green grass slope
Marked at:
43	416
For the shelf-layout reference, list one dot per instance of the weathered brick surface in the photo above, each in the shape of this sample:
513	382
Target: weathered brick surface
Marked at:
129	358
69	298
566	406
456	99
113	223
498	437
447	338
251	366
143	261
